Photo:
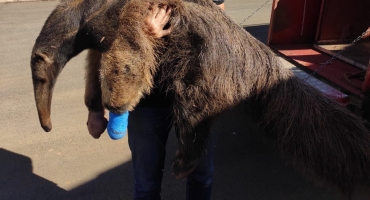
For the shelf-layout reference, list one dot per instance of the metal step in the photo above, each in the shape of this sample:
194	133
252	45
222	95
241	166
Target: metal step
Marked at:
321	86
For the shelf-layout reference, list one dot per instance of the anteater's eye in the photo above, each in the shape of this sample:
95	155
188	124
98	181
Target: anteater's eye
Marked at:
127	69
37	60
39	79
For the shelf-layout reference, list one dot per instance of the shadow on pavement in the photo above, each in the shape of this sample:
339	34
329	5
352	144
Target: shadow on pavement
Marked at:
247	166
18	182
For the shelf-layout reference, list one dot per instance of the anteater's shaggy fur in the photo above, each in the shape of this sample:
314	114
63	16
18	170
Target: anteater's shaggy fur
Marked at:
213	64
210	64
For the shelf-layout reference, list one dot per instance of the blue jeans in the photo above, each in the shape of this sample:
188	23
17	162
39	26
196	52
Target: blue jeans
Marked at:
148	130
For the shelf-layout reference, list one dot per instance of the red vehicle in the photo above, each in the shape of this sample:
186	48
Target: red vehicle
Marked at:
329	39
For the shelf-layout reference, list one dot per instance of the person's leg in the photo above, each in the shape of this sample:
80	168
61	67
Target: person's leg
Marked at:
148	130
199	182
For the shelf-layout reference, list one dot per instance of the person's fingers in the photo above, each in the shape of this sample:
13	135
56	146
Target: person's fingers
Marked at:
156	14
166	32
155	11
150	5
166	16
169	10
367	33
150	18
161	12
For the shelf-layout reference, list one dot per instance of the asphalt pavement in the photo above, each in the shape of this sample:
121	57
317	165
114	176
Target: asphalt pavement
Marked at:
67	163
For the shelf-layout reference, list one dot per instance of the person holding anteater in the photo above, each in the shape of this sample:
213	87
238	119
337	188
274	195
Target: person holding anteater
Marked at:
148	129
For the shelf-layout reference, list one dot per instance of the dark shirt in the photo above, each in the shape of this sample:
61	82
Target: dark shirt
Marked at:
218	2
159	96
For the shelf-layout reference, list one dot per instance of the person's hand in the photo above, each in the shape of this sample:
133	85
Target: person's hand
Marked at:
222	6
367	33
156	20
96	123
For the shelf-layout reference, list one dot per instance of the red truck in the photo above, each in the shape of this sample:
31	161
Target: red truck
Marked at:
330	41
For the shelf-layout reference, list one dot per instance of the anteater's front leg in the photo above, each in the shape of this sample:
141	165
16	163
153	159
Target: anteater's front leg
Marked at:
192	146
96	122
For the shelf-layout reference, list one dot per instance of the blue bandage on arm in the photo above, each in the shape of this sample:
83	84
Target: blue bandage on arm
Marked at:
117	125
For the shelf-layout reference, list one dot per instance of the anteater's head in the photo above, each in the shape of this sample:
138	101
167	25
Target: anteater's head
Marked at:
55	45
127	68
74	25
125	78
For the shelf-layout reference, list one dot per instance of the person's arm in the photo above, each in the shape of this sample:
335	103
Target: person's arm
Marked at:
220	3
222	6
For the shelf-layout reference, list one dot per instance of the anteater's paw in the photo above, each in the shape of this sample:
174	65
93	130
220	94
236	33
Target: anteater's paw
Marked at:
96	123
182	168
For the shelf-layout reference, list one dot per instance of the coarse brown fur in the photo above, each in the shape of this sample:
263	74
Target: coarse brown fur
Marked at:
212	64
135	74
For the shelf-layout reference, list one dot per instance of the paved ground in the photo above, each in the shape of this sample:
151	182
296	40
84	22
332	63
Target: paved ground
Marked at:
68	164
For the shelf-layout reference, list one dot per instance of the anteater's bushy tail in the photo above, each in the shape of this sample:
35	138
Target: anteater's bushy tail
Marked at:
320	135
